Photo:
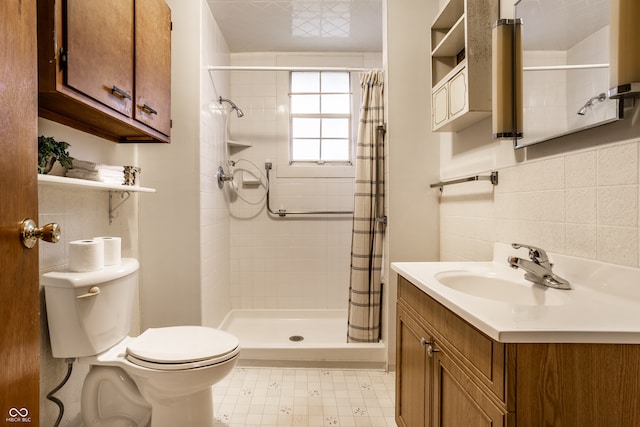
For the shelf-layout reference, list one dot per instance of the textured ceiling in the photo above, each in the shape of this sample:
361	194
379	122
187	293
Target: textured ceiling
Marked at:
300	25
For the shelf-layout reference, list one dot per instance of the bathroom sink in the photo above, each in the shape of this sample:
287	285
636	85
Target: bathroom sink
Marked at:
490	286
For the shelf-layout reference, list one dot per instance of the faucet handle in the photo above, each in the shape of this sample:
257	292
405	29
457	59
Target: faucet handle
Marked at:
536	254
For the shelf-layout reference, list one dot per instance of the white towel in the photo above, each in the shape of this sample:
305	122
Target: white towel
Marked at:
109	177
95	167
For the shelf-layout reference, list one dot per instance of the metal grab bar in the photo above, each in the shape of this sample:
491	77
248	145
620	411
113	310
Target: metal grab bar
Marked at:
381	131
285	212
493	178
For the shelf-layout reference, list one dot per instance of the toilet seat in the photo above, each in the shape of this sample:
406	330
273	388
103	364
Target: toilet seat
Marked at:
182	347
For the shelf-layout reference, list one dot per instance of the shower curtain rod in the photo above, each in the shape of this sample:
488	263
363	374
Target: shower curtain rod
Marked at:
275	68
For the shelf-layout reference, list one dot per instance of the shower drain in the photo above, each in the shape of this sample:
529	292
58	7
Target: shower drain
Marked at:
296	338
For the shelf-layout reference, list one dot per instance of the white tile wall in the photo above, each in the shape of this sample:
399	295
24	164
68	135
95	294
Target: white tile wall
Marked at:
283	262
584	204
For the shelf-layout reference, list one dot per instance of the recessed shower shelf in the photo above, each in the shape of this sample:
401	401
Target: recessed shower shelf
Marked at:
238	144
62	181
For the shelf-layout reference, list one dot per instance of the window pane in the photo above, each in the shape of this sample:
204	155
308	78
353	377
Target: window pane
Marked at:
305	104
305	128
335	82
305	82
335	128
335	149
335	104
305	150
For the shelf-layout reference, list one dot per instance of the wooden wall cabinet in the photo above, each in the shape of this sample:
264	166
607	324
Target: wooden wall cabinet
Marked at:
451	375
105	67
461	63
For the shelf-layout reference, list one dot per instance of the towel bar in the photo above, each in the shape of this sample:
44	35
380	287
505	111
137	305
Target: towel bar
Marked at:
493	178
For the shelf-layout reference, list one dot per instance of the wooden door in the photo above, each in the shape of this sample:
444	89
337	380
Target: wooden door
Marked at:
19	302
99	43
413	374
153	64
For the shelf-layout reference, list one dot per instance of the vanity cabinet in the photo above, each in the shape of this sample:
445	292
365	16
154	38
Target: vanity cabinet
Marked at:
105	67
461	63
450	374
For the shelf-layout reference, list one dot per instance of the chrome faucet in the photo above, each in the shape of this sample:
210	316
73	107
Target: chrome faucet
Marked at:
538	268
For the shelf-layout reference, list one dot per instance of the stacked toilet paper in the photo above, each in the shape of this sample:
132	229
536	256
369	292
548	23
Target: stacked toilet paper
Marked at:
94	254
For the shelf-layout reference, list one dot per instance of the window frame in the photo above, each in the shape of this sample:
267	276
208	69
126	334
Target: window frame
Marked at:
321	116
310	170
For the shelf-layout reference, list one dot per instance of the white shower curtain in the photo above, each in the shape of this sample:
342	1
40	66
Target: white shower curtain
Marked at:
365	286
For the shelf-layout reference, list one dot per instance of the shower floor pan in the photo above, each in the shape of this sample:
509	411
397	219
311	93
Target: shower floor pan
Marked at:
300	338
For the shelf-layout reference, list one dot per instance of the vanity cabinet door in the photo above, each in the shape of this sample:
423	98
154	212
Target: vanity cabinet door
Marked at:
99	56
153	64
413	373
457	401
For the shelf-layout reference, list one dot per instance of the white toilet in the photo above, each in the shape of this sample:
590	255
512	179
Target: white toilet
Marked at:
161	378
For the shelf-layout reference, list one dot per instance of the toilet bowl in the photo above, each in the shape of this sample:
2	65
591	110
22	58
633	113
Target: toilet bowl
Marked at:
161	378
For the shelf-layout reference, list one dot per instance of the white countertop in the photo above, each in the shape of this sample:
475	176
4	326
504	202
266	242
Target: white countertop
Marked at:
602	307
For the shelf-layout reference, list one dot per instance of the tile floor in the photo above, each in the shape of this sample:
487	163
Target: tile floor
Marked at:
275	397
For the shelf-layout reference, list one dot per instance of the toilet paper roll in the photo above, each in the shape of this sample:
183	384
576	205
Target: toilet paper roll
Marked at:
112	249
86	255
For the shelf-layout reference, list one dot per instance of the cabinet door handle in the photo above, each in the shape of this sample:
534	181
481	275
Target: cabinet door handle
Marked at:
148	109
429	344
115	90
431	349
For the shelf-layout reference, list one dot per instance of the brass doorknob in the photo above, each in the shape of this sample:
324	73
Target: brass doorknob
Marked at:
30	233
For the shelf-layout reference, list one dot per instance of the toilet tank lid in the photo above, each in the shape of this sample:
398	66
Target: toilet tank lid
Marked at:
70	279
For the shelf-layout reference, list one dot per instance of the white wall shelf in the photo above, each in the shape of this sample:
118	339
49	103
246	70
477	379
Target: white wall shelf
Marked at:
70	183
62	181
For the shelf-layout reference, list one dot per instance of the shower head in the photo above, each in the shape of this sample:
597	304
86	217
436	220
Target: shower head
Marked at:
239	112
601	97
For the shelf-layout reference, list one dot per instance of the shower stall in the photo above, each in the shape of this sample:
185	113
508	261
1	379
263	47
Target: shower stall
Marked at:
290	236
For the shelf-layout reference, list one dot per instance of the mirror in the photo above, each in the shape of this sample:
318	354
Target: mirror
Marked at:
565	68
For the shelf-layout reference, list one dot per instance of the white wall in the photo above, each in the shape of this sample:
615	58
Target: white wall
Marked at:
184	226
413	151
81	214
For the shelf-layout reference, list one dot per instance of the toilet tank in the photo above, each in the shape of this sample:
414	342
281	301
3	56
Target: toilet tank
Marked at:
90	312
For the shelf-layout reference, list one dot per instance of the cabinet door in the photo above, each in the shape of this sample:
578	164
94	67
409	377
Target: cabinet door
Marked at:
413	374
458	94
440	105
100	51
153	64
457	401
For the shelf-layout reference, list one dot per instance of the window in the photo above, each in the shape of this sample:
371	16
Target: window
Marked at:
320	118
